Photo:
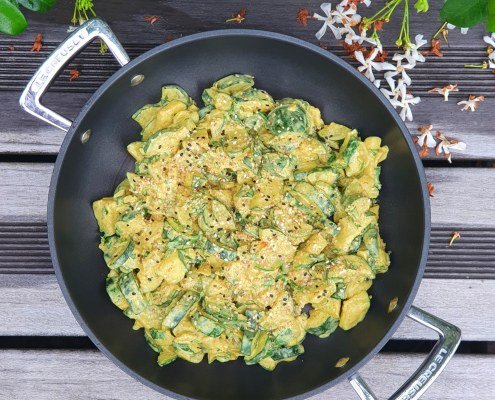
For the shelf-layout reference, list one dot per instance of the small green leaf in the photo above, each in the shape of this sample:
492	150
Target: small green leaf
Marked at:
421	5
37	5
464	13
490	19
12	22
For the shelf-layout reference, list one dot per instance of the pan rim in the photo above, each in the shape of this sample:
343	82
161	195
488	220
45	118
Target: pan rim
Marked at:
255	34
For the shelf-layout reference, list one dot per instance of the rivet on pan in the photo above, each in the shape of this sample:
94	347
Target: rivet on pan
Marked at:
85	136
136	80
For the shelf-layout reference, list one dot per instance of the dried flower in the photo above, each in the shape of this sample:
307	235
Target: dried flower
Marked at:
445	91
350	49
446	146
10	48
436	46
151	18
472	103
302	16
378	25
430	188
426	137
238	17
455	235
74	74
38	43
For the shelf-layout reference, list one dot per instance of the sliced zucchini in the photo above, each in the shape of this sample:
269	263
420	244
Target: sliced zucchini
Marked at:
130	289
146	114
325	329
118	253
114	291
165	142
179	311
106	213
206	325
172	267
288	116
312	194
234	83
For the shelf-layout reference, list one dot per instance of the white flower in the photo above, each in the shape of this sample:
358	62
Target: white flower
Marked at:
395	90
368	64
363	38
446	146
490	39
472	103
426	137
399	69
399	98
445	91
346	14
463	30
328	21
405	104
412	54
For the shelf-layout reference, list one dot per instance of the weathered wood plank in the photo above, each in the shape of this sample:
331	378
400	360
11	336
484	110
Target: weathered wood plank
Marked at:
59	375
32	305
184	18
24	250
463	196
21	133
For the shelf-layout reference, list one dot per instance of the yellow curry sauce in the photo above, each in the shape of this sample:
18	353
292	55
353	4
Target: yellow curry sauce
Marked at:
246	225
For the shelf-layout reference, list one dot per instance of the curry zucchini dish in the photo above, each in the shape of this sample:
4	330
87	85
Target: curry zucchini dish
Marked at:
246	225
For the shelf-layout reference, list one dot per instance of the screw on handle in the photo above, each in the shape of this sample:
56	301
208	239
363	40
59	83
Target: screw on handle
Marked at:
65	52
430	369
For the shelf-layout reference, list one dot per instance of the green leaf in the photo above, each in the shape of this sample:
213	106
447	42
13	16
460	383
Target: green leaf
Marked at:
490	19
421	5
464	13
12	22
37	5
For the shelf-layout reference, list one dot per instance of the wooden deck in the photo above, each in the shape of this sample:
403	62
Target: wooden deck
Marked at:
43	351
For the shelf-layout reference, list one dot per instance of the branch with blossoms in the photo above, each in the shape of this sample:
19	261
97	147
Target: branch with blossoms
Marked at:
360	37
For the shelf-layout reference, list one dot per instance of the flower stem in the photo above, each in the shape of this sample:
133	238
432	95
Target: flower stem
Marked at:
483	65
440	30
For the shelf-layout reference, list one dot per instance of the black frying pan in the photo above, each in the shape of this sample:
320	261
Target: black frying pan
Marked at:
93	159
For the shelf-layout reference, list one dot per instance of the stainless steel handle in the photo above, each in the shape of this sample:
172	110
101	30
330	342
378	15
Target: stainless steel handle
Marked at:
73	44
428	371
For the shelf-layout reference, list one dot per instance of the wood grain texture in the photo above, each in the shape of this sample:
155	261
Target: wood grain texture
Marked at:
184	18
179	18
21	133
32	305
24	190
24	250
81	375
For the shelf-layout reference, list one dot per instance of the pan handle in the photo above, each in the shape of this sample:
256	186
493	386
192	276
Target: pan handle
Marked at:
428	371
66	51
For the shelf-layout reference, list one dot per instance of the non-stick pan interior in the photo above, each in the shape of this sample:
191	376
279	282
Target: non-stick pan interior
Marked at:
86	172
